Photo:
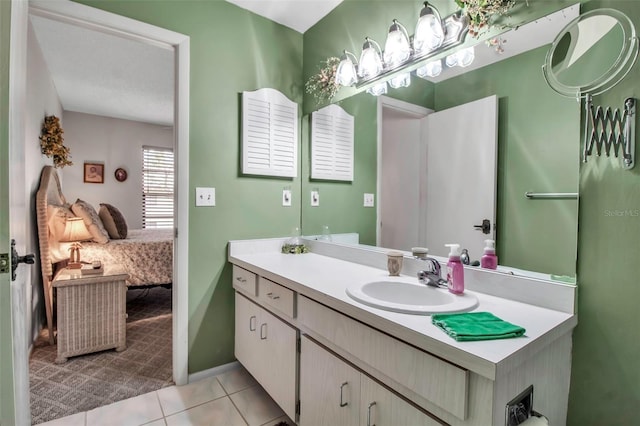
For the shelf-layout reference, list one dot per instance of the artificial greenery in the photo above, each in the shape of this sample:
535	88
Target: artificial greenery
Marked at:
323	85
52	142
482	14
294	249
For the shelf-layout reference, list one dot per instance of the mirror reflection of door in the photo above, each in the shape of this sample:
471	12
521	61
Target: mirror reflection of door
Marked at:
439	172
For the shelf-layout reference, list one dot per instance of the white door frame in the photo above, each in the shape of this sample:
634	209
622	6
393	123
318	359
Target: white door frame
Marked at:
107	22
386	102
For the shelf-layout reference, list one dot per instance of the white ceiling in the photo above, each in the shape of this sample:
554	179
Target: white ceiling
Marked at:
299	15
104	74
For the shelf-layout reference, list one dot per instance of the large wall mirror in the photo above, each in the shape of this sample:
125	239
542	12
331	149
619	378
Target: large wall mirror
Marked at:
538	151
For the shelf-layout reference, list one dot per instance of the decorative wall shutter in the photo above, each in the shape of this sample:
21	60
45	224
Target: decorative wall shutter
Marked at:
269	134
332	144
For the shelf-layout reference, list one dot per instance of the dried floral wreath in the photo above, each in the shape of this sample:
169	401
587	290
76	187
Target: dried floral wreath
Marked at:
323	85
52	142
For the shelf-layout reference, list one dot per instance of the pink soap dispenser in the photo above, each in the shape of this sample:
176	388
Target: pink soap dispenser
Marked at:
455	270
489	260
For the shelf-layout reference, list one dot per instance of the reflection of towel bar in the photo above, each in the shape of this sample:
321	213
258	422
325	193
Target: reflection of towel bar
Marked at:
551	195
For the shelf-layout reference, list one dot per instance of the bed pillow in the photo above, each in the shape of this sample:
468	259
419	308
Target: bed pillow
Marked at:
57	217
113	221
91	220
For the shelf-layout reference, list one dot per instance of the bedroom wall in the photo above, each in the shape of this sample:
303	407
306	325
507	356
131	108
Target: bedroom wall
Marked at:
42	100
115	143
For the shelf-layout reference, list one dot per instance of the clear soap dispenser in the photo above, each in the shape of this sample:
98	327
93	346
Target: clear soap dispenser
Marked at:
455	270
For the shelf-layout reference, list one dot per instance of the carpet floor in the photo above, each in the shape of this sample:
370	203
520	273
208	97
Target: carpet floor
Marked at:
88	381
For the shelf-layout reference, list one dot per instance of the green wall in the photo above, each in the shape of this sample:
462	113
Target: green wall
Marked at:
538	150
7	412
605	380
232	50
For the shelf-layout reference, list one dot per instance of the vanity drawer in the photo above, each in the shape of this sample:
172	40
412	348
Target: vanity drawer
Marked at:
245	280
277	296
442	383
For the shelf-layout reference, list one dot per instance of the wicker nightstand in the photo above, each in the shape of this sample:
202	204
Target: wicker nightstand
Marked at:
91	311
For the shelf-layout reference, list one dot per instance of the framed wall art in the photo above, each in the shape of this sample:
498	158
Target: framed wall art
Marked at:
93	173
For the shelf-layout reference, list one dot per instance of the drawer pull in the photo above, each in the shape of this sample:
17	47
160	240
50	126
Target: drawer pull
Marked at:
252	323
263	331
369	414
342	403
271	296
240	279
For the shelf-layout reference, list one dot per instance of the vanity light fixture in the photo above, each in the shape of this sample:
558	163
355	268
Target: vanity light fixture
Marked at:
397	48
370	59
433	35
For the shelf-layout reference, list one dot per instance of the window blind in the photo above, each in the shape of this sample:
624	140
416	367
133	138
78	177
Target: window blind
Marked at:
157	187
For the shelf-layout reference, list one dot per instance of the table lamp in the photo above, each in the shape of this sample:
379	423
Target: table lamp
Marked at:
75	231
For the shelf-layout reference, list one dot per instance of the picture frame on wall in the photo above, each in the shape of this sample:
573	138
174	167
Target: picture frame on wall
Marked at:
93	173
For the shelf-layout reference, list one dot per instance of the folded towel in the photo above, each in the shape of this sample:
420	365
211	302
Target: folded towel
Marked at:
476	326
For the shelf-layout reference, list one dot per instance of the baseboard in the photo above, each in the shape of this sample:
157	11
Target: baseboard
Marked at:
215	371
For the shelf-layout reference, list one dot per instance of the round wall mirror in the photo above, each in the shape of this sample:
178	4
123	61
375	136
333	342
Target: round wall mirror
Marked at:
591	54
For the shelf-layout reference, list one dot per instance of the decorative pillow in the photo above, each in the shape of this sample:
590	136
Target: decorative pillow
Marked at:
58	216
113	221
91	220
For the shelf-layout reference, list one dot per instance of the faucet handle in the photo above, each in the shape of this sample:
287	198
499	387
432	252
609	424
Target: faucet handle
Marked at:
434	266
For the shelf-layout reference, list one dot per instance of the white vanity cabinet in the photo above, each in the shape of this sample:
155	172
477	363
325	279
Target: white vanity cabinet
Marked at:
334	393
267	347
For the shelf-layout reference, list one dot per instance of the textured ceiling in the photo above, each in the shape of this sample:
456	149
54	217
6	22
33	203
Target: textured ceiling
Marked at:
103	74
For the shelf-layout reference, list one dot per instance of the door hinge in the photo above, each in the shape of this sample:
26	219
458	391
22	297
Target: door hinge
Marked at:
298	407
4	263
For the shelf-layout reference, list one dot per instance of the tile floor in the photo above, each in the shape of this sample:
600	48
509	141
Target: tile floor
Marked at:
230	399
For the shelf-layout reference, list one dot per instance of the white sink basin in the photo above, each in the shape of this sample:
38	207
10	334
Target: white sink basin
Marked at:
411	297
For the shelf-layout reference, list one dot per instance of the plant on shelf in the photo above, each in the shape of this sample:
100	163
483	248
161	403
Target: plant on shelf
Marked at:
323	85
52	142
482	14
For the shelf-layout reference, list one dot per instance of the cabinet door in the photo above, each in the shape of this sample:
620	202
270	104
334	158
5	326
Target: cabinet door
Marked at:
329	388
278	361
381	407
247	341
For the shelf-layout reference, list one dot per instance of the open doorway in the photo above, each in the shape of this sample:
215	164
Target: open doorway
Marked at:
82	16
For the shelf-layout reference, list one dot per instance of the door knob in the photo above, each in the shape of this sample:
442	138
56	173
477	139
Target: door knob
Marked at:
485	227
16	259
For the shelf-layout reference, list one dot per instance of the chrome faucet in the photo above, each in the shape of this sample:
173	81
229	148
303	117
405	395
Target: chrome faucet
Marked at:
432	275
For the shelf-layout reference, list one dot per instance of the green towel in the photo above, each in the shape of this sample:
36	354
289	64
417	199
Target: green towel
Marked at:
476	326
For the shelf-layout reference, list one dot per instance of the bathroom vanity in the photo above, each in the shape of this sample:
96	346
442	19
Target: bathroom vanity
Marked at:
327	359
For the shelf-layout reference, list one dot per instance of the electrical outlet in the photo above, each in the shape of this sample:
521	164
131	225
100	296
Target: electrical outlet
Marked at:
368	200
315	198
286	197
205	197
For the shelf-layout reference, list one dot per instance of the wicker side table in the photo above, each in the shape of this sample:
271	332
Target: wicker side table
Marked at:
91	311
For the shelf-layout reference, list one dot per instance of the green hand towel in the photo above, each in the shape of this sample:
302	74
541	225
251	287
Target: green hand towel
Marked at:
476	326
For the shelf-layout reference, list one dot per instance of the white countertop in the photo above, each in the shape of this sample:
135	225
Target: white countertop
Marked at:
324	279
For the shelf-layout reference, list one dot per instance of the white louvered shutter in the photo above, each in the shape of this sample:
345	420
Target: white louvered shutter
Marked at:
269	134
157	187
332	144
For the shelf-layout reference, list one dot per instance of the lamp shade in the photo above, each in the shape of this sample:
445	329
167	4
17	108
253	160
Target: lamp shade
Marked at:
401	80
75	230
430	31
397	48
378	89
370	64
346	71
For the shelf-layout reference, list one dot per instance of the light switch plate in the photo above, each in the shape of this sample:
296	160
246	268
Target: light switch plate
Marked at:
286	197
368	200
205	197
315	198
